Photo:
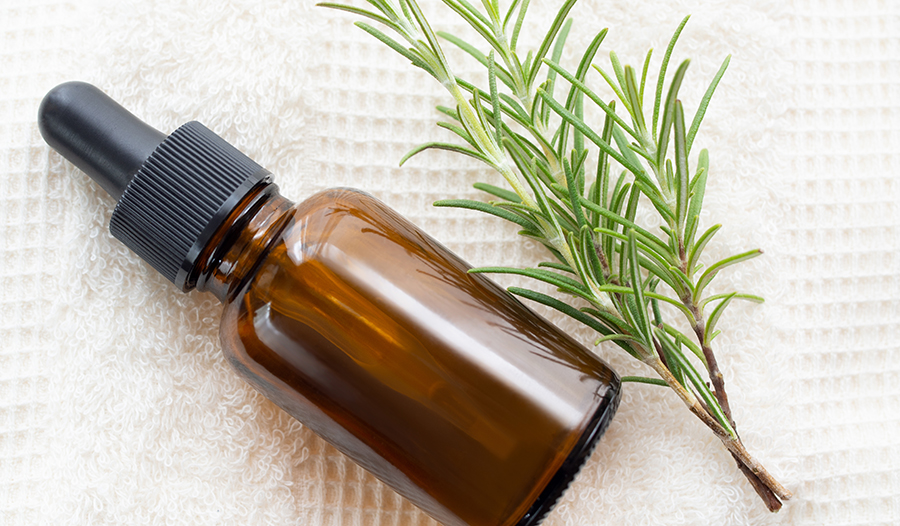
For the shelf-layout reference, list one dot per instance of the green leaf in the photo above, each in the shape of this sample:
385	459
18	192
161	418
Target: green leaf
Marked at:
662	73
460	131
643	380
607	108
362	12
634	93
581	266
663	259
590	134
631	209
578	146
683	278
475	19
548	41
714	269
620	193
670	176
682	177
555	56
698	248
564	283
386	8
519	157
682	339
537	112
670	235
509	14
616	337
628	153
657	314
716	314
579	156
657	201
518	27
690	231
495	99
528	150
649	238
570	311
614	86
405	9
498	192
640	313
698	189
627	307
655	267
600	188
479	111
446	146
525	213
668	117
429	36
450	112
514	110
738	296
619	189
618	324
620	77
396	46
704	103
589	254
638	149
563	218
517	112
557	266
493	10
501	73
488	209
653	295
573	195
580	74
474	10
644	72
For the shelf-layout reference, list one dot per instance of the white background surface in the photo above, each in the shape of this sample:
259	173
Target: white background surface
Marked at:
117	408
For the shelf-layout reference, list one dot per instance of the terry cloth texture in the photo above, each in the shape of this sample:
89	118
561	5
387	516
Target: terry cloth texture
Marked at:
116	406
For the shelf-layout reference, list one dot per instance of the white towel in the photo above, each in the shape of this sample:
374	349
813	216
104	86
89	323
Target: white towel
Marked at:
116	406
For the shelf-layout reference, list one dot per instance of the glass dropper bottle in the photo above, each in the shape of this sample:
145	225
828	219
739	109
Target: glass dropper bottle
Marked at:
352	319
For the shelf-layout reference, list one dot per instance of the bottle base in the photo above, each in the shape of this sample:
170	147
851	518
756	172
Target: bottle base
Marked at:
575	461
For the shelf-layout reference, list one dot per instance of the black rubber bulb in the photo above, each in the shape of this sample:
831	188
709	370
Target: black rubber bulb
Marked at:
96	134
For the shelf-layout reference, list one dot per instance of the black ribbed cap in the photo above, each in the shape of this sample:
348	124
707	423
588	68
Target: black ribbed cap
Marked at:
174	192
180	196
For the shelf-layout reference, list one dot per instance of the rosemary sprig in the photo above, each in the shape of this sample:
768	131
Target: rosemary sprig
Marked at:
539	144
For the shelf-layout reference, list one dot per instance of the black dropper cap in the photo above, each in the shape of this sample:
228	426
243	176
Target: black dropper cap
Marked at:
173	192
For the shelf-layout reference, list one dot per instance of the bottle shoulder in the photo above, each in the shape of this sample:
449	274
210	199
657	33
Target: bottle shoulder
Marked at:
313	222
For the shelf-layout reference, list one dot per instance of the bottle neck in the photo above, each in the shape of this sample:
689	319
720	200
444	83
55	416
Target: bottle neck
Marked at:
233	252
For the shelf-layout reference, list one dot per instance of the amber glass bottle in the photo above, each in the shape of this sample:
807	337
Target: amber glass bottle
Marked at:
359	325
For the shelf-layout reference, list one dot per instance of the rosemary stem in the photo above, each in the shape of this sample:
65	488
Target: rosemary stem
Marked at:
715	374
732	444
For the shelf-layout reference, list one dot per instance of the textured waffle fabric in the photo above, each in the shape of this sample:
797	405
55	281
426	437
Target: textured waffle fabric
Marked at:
116	406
